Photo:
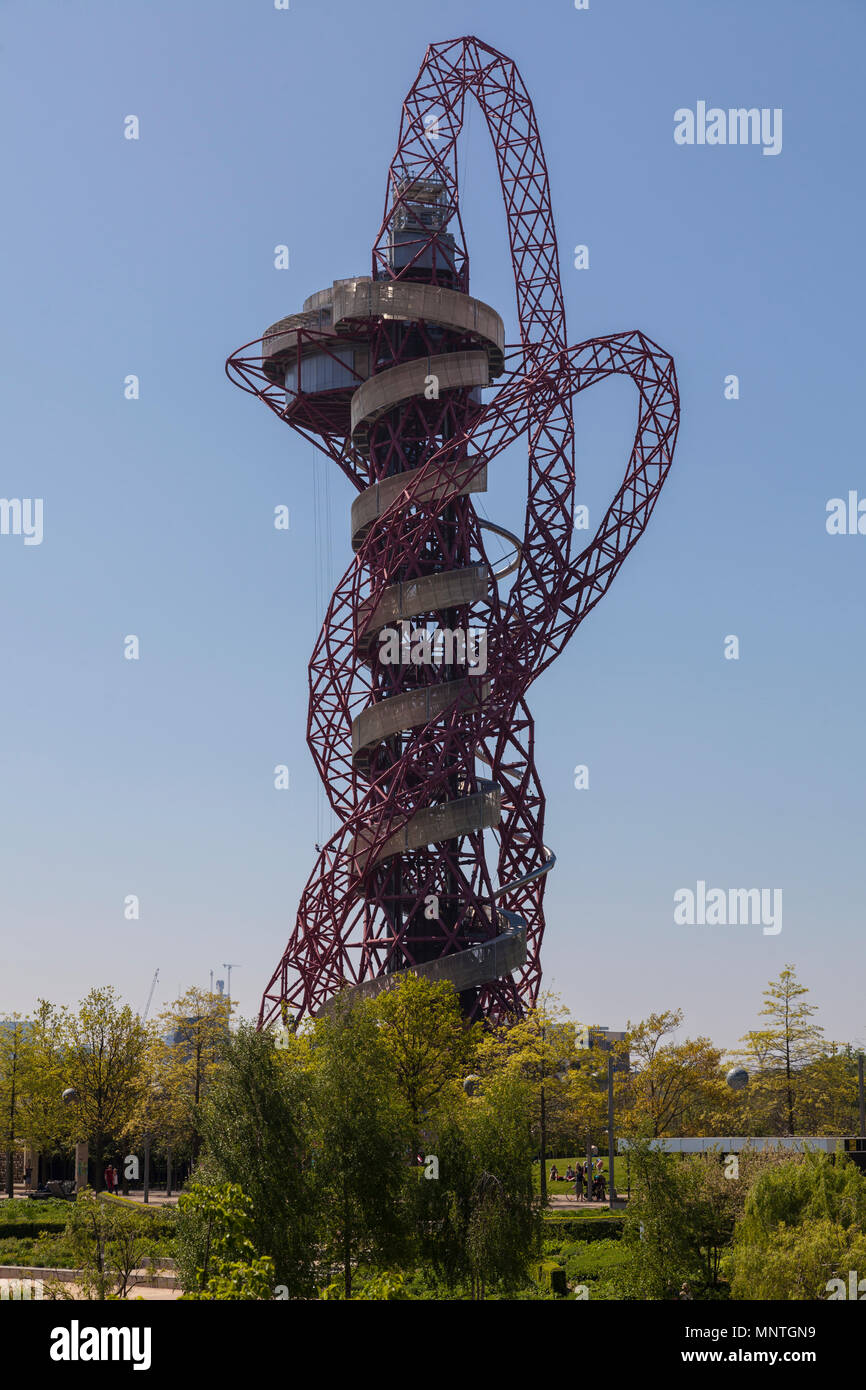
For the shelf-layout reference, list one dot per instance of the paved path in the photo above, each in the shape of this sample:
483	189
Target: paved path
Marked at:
157	1199
561	1201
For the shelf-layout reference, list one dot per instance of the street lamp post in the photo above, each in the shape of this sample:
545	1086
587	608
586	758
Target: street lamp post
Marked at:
157	1091
612	1184
82	1150
543	1149
543	1129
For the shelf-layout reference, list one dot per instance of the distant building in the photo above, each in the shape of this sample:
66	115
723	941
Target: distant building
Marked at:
594	1037
8	1025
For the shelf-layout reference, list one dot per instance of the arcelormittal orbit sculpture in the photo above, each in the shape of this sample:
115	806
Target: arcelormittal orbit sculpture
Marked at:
421	748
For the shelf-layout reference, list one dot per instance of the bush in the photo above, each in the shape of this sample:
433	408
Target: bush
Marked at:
804	1224
29	1230
255	1127
216	1256
678	1226
801	1262
811	1188
22	1218
379	1285
583	1228
550	1274
106	1241
585	1261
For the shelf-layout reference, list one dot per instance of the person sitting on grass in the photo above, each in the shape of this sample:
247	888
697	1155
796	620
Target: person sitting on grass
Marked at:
569	1173
554	1174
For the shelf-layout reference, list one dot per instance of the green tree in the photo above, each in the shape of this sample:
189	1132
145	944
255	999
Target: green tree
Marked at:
427	1042
192	1033
103	1050
804	1196
363	1133
814	1185
45	1123
670	1080
827	1092
790	1042
109	1242
477	1218
503	1229
255	1123
217	1256
801	1262
540	1049
665	1250
682	1217
14	1054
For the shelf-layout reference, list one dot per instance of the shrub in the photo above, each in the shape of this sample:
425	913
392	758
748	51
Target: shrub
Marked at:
107	1242
803	1223
216	1256
550	1274
583	1229
800	1262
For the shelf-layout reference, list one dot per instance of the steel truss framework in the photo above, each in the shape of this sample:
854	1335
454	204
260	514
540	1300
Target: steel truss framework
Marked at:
381	899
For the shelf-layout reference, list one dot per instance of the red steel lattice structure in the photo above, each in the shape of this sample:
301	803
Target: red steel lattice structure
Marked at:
384	374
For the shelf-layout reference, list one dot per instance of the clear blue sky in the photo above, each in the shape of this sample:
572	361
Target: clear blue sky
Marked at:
155	257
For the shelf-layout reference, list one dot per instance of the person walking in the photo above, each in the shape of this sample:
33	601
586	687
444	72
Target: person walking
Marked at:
578	1183
108	1175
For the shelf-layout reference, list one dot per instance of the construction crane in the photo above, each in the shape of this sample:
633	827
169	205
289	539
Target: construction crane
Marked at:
228	965
150	996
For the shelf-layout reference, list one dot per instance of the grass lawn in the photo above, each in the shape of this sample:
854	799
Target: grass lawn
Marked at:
18	1209
33	1233
52	1251
594	1264
566	1188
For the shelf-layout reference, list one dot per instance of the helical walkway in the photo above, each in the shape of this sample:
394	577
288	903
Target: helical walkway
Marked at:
385	374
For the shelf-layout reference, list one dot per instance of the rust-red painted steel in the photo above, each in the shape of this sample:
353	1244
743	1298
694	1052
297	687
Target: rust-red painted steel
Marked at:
361	916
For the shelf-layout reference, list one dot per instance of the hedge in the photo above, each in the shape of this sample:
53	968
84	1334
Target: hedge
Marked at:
550	1274
30	1230
573	1228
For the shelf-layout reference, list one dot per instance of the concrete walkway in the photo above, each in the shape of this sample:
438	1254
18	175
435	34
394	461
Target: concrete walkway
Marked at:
561	1201
156	1198
155	1282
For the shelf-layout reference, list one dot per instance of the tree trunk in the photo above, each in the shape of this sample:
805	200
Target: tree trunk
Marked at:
788	1069
543	1150
10	1175
347	1247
